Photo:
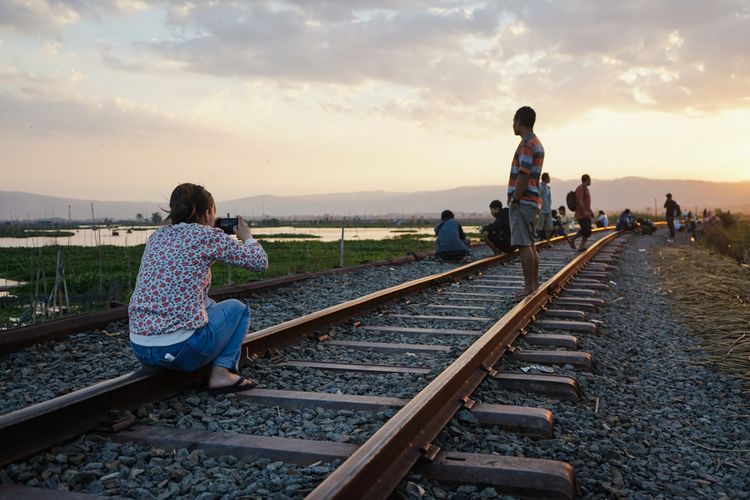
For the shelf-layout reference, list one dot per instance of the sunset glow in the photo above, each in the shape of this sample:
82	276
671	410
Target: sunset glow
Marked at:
122	99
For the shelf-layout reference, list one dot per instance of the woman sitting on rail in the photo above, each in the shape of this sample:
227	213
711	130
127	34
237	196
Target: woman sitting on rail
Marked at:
173	322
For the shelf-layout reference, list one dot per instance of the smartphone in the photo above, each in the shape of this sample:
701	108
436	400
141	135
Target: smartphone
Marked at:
227	224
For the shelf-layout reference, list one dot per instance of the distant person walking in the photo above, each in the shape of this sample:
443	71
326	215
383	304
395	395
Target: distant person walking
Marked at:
672	212
524	200
544	226
451	243
583	213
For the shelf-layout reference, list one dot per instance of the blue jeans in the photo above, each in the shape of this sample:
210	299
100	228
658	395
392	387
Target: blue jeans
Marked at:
219	342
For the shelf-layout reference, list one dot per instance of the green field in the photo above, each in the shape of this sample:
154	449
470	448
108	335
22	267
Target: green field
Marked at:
96	276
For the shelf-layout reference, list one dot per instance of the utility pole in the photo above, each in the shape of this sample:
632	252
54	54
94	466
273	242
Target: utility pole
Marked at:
341	248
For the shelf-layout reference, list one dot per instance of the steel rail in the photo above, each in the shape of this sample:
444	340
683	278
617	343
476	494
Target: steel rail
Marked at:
16	338
37	427
376	468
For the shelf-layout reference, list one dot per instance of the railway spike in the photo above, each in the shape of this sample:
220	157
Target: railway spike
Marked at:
468	402
490	371
429	452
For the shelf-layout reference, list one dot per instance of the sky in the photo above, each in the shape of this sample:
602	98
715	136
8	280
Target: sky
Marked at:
124	99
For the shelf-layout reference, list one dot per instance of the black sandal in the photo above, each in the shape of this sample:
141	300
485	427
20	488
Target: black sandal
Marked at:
238	386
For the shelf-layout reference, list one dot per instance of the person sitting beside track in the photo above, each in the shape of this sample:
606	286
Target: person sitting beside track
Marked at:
497	233
602	220
173	322
625	221
451	243
645	226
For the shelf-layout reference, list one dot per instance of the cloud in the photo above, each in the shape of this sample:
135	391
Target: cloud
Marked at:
48	18
451	59
459	57
52	105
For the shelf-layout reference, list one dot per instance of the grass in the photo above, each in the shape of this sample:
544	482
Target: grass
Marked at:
96	276
729	236
711	294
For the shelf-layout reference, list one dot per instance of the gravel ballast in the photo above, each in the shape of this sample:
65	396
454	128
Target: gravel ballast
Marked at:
654	422
199	411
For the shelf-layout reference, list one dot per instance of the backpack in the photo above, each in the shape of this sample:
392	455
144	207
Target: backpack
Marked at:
570	200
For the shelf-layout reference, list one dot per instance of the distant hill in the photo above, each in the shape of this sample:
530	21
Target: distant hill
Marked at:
635	193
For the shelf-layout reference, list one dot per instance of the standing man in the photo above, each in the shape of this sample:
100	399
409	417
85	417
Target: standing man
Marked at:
544	227
671	207
583	212
524	201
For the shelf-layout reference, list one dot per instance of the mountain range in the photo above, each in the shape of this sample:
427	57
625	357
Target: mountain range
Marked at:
636	193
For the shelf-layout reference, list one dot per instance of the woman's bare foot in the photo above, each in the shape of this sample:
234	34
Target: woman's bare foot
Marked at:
222	377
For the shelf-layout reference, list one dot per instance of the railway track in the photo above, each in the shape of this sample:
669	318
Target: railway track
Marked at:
444	324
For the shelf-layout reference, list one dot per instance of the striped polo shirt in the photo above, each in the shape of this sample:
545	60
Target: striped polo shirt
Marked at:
528	159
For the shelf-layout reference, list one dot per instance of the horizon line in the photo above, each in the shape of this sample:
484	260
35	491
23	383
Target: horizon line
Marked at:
380	190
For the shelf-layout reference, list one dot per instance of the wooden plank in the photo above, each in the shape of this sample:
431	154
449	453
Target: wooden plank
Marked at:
494	287
532	421
477	299
248	447
565	314
552	385
517	476
561	324
565	303
17	491
355	367
567	341
592	301
388	346
591	285
436	317
580	292
456	307
419	331
511	474
470	294
581	360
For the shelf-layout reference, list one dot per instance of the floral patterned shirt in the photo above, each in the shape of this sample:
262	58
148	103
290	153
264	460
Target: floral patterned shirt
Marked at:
175	275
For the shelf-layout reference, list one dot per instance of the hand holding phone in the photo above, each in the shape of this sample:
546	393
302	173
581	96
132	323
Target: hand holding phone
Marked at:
227	224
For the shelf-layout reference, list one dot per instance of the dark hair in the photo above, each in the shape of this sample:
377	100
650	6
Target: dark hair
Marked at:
626	211
496	204
561	208
601	212
545	175
189	202
526	116
585	177
447	214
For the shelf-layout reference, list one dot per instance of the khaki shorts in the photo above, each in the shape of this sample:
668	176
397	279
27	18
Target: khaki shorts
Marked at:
544	222
522	222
